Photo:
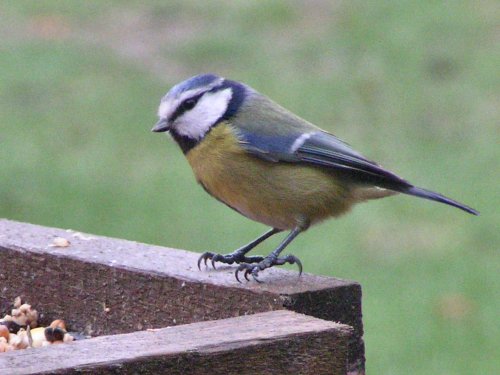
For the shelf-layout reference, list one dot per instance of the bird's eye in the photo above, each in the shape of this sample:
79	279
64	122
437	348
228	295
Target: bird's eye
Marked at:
189	104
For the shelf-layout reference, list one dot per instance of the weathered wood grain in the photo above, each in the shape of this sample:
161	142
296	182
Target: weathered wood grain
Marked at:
277	342
104	286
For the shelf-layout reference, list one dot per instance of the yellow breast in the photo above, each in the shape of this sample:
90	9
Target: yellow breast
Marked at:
281	195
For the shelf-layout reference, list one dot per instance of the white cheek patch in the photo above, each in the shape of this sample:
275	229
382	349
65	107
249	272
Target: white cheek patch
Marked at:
196	122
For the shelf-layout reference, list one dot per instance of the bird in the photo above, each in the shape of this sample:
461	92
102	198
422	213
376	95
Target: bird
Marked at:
270	165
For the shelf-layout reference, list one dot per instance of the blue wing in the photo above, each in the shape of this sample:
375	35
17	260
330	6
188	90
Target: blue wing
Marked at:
321	149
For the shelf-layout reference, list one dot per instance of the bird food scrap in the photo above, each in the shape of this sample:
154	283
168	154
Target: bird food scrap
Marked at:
20	329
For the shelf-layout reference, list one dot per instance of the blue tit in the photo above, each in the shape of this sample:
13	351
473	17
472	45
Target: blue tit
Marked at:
269	164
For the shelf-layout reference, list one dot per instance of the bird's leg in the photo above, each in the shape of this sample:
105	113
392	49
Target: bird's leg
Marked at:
272	259
237	256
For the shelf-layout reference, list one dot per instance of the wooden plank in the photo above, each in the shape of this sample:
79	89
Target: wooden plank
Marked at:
277	342
104	286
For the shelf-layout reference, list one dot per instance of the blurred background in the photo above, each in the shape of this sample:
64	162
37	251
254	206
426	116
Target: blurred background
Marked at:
413	85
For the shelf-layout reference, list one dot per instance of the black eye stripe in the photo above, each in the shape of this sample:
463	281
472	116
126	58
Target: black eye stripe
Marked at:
186	105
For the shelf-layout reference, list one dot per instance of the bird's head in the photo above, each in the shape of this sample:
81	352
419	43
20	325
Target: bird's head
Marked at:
191	108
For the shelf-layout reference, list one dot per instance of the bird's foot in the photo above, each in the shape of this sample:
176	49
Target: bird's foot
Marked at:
227	259
267	262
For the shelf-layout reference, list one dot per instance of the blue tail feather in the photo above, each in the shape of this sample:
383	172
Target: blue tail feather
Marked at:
427	194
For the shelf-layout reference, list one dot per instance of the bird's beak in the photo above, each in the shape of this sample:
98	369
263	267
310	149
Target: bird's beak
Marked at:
161	126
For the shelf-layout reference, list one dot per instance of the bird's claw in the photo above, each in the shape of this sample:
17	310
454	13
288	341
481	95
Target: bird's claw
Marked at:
267	262
204	257
226	259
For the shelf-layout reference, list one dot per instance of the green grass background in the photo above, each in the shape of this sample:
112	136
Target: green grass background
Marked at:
414	85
